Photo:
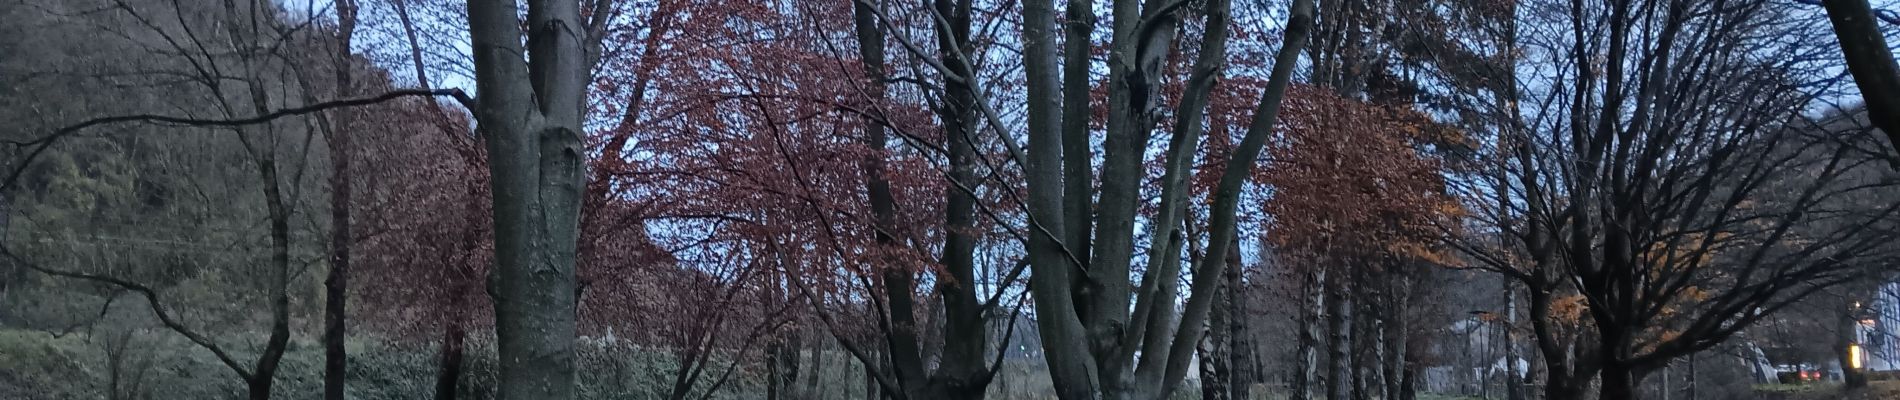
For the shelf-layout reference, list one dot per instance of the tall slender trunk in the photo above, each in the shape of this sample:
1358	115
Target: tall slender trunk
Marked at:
267	362
1513	380
1216	352
1694	384
1242	371
1364	314
265	156
816	340
1395	336
336	287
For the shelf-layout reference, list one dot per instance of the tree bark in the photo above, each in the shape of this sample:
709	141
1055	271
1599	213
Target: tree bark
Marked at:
529	112
336	286
1339	346
1621	382
1396	328
962	371
1870	61
1072	368
1217	353
263	375
1313	300
1240	361
1513	381
1090	344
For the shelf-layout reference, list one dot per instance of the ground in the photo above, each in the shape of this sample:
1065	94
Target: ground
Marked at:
1877	390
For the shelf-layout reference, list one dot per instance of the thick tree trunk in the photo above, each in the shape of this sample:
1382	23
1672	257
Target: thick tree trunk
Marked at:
1868	58
530	114
1563	387
448	373
1845	336
1072	368
1621	382
1408	386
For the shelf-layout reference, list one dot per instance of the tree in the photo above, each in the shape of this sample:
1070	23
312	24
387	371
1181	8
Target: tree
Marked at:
1082	299
529	110
1356	202
1670	186
336	287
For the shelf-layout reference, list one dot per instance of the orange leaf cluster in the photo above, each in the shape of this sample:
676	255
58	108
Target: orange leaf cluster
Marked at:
1346	174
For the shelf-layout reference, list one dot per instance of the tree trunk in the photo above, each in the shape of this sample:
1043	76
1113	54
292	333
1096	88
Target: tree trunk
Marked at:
816	340
448	373
1513	380
1089	342
1845	338
336	286
1240	363
871	388
1559	387
1395	336
529	113
1339	345
1072	369
1306	370
1362	333
1215	353
1694	384
259	385
781	363
1620	382
1408	387
1870	61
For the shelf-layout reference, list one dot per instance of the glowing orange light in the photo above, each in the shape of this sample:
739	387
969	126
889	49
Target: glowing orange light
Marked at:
1853	356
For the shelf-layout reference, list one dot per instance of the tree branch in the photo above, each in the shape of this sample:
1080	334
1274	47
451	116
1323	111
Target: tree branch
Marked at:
42	143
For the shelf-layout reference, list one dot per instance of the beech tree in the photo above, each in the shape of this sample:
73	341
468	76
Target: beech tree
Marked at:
1082	282
529	107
